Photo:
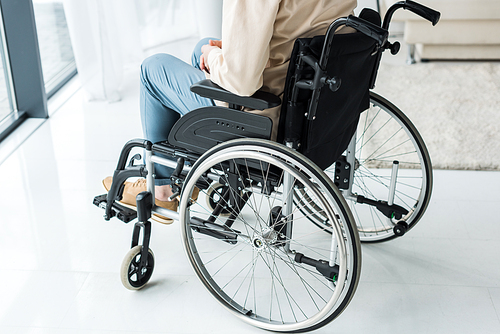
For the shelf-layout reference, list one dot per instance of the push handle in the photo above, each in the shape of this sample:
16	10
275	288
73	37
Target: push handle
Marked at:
423	11
377	33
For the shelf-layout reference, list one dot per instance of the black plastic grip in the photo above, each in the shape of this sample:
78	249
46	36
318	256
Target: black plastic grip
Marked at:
423	11
369	29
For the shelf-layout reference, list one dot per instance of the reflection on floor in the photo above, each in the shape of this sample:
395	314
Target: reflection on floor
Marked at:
61	260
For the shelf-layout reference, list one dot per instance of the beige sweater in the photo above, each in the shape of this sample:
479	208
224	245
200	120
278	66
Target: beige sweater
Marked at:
257	40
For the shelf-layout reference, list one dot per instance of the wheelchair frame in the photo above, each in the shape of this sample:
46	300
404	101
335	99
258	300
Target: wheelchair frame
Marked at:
257	166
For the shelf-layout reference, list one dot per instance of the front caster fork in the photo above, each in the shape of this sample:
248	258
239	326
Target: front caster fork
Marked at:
144	208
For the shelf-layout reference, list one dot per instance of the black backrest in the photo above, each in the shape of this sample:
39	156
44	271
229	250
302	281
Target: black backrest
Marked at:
353	59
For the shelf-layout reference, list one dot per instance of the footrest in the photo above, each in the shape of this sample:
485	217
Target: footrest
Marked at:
217	231
124	214
322	266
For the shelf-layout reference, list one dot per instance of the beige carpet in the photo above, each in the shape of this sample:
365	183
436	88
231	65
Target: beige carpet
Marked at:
454	105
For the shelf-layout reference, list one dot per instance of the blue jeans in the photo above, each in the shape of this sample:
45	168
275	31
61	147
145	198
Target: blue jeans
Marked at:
165	97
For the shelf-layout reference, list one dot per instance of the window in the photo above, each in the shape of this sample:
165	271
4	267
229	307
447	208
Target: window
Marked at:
8	113
56	53
22	91
6	108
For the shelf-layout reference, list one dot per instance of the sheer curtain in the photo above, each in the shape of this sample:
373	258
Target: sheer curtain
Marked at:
209	17
111	36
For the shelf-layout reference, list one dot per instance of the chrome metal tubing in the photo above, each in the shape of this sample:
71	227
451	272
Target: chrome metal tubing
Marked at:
392	186
166	212
288	180
166	162
151	172
351	160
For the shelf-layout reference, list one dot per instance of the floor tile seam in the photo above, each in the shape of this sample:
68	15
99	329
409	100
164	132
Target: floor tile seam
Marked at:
460	200
185	277
453	200
88	273
16	147
437	238
51	113
493	304
83	330
173	290
473	202
69	160
487	287
73	301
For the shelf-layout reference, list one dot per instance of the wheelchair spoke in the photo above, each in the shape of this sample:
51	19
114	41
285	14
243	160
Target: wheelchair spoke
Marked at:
365	143
365	128
364	172
251	264
385	135
256	274
385	184
287	293
304	283
382	145
293	265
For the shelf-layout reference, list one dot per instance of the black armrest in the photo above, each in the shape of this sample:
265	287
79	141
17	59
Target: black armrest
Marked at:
259	101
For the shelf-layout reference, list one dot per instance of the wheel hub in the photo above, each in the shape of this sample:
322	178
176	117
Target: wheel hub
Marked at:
257	243
266	237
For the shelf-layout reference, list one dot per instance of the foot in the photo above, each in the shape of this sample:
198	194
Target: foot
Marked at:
130	192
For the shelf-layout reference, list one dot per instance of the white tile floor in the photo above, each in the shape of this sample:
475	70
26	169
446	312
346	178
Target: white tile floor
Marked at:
61	260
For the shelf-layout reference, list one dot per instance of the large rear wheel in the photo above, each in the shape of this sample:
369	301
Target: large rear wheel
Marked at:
388	149
265	262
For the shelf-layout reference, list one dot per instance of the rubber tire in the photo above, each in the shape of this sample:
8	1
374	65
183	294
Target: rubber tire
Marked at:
124	270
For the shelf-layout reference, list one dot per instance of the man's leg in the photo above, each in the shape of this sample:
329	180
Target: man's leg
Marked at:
165	96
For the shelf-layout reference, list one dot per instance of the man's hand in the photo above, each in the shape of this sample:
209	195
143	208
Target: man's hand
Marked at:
205	49
217	43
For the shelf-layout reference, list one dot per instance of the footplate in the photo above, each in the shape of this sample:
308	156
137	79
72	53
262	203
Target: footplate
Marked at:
217	231
124	214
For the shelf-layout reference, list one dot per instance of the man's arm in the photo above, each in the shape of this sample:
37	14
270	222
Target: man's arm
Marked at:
247	30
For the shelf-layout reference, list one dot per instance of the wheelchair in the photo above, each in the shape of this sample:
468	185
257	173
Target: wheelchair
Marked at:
275	233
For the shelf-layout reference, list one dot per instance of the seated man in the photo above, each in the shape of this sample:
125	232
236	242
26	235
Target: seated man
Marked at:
257	40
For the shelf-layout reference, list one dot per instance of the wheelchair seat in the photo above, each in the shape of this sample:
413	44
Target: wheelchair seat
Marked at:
203	128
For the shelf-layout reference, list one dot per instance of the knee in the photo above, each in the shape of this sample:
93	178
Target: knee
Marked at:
197	48
158	63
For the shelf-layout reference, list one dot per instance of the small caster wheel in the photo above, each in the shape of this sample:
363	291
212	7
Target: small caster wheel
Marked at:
214	195
132	275
400	229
